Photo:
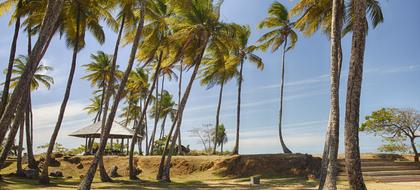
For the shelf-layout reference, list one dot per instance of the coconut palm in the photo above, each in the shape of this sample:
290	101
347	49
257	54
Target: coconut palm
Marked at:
40	78
4	7
282	33
196	27
19	97
78	17
329	16
86	182
219	68
245	52
99	75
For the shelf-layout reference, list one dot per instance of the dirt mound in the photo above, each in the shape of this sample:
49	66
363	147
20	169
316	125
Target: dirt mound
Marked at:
270	165
235	166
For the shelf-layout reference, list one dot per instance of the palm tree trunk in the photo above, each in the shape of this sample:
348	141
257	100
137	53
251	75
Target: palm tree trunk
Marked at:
48	28
165	175
19	169
143	116
179	100
162	128
12	55
29	135
152	136
238	109
283	145
354	85
216	127
86	182
44	179
328	176
13	131
106	95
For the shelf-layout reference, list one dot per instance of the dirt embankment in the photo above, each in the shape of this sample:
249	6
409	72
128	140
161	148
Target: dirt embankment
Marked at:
233	166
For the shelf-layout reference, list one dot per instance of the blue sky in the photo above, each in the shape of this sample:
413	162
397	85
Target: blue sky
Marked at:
391	79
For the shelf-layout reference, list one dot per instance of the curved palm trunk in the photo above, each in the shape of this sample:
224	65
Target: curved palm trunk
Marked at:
238	109
48	27
283	145
216	128
179	100
44	179
12	55
162	128
29	135
152	136
143	116
165	175
86	182
354	85
19	169
415	152
13	131
328	176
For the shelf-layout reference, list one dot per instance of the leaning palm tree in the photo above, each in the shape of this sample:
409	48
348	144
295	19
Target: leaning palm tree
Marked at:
78	17
330	17
245	52
282	31
106	125
4	7
18	99
219	68
197	27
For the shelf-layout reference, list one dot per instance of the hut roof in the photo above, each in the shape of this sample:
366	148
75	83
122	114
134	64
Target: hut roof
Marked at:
94	131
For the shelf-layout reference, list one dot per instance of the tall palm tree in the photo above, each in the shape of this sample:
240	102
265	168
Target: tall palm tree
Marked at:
19	97
354	86
99	75
4	7
245	52
106	129
40	78
219	68
330	16
196	27
282	31
78	17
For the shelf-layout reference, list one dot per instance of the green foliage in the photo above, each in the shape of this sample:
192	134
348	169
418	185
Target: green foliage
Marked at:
395	126
58	148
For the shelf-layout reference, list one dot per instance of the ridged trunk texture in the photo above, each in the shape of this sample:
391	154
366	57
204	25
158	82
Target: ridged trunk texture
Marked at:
216	126
87	181
354	85
283	145
238	109
44	179
179	100
328	176
48	27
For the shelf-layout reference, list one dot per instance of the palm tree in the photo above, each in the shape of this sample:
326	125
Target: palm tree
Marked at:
78	17
99	75
329	16
19	97
245	52
4	7
196	27
221	138
86	182
354	86
219	68
39	78
282	31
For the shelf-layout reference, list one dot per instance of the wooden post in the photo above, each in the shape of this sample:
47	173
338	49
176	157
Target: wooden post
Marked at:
128	140
122	145
86	144
111	146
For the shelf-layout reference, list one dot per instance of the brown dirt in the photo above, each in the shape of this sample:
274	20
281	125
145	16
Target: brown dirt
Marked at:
234	166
